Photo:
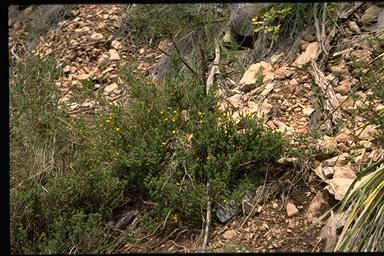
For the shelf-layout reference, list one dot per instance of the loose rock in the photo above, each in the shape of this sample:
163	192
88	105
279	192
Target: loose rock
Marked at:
292	210
229	234
317	206
370	14
309	54
113	55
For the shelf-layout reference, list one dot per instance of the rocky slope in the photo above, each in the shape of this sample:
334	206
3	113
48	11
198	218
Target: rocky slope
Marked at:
87	49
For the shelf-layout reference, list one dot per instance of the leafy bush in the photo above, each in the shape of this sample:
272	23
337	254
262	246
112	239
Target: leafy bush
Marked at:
61	191
148	24
163	148
174	140
68	211
283	19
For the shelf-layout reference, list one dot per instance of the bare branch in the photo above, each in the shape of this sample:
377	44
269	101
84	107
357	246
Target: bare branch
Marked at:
207	221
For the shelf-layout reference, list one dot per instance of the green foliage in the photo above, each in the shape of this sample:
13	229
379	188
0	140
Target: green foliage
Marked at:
363	230
265	21
282	18
151	23
373	110
174	140
68	211
61	192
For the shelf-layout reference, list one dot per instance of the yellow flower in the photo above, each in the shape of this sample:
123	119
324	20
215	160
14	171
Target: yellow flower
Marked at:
174	111
117	129
108	120
161	111
173	131
174	218
200	121
115	154
209	157
225	200
163	143
199	113
177	183
166	119
225	114
173	119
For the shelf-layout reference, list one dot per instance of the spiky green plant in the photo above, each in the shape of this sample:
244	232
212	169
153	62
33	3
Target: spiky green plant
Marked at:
364	201
364	227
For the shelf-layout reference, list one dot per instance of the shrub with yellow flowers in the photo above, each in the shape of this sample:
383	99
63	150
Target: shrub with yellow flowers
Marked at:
169	158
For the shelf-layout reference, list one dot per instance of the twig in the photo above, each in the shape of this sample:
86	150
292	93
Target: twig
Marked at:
170	175
330	103
165	239
177	49
381	55
203	65
215	67
317	27
257	201
346	14
14	54
184	248
152	233
185	170
207	221
244	164
323	28
183	60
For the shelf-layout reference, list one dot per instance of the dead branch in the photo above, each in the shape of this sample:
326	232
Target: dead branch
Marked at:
165	239
346	14
207	221
317	26
177	49
257	201
180	246
320	35
14	54
378	57
331	102
215	67
204	66
323	28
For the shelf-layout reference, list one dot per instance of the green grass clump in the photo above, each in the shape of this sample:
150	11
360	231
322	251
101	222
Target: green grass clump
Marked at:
62	192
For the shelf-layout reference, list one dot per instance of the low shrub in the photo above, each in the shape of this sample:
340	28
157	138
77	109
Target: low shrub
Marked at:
163	148
173	140
62	192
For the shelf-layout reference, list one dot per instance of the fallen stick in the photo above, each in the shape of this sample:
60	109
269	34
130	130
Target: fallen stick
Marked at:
257	201
331	103
215	67
346	14
207	221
